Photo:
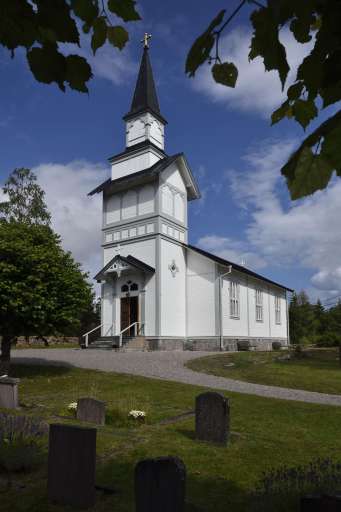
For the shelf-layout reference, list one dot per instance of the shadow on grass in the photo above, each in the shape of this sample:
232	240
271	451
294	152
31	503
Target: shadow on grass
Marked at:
22	368
202	494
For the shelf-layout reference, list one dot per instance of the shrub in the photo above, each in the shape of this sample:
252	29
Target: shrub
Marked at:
329	339
281	489
276	345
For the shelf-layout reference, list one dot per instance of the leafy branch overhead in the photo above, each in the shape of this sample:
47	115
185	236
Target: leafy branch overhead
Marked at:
317	84
40	27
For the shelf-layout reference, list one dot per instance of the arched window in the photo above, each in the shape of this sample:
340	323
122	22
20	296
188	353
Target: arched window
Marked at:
129	287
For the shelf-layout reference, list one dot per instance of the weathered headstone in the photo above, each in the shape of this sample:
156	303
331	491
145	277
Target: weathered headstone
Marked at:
212	418
160	485
71	465
9	392
91	410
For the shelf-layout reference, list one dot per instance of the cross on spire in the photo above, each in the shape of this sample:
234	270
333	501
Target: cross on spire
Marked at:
145	40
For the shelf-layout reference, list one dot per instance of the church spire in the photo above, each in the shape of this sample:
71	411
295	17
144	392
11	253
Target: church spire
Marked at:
145	97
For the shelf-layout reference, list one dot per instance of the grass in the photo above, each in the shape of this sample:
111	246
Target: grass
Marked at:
266	434
319	370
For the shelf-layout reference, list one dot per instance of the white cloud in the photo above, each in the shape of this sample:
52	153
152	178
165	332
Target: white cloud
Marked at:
111	64
304	234
256	90
75	216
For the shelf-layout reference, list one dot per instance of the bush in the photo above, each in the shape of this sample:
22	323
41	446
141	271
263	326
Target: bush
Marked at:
276	345
329	339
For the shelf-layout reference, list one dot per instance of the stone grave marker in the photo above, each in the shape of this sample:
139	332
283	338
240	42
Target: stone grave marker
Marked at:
212	418
71	465
160	485
91	410
9	392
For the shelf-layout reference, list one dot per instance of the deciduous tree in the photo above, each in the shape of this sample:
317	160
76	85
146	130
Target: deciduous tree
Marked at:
42	289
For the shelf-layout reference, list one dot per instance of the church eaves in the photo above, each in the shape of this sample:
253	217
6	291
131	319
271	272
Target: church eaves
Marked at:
145	97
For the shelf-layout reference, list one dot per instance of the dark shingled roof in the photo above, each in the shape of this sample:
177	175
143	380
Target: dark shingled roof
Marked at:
140	265
110	185
239	268
145	97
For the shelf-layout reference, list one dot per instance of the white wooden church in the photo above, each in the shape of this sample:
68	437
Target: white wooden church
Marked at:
158	291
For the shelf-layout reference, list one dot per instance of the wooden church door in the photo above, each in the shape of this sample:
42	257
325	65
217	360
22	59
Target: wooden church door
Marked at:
129	314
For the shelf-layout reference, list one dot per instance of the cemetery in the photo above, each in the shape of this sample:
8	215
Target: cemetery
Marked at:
216	451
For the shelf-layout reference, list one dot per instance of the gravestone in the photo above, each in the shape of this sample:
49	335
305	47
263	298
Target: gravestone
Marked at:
212	418
91	410
160	485
9	393
71	465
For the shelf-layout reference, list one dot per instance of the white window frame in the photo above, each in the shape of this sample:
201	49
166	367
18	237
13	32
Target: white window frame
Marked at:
259	305
234	300
278	319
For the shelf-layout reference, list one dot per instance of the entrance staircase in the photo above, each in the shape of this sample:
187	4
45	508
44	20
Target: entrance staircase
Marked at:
123	341
129	343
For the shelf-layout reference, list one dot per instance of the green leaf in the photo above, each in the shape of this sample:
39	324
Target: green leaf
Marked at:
292	170
331	148
78	72
304	111
283	111
295	91
56	16
99	35
265	42
225	73
124	9
312	173
86	10
117	36
300	27
202	46
47	65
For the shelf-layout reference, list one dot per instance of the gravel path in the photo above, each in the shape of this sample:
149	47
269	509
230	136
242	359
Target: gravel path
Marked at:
166	366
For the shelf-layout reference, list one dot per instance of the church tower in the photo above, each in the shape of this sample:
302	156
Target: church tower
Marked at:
143	280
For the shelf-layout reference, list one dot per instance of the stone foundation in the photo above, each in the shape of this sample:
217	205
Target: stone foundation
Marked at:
209	344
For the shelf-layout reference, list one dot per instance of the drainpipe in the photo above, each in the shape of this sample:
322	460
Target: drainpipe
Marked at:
220	278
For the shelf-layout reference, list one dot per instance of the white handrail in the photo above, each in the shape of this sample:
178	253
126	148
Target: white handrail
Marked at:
86	335
134	324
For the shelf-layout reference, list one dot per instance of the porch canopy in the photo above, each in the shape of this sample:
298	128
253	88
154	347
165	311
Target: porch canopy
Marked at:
120	264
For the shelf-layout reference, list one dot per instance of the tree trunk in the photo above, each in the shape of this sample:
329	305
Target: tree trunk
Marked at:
5	357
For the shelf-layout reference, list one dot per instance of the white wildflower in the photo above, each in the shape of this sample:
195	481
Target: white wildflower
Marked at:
72	406
137	414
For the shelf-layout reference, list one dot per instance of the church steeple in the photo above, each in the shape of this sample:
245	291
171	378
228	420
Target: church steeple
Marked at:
145	97
145	106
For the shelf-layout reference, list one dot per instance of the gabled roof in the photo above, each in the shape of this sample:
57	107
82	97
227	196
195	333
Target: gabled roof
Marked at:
239	268
110	186
145	97
129	260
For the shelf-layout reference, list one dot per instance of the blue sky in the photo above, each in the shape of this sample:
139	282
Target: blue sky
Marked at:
245	212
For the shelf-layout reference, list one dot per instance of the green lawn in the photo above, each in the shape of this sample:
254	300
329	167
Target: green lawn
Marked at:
266	434
319	370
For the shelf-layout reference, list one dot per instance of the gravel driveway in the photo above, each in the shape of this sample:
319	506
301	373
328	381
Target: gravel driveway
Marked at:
163	365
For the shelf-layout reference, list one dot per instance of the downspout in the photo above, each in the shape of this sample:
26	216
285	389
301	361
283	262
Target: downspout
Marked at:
221	277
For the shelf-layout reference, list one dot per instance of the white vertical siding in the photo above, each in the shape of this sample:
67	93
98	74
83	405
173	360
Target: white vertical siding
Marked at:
201	294
173	290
